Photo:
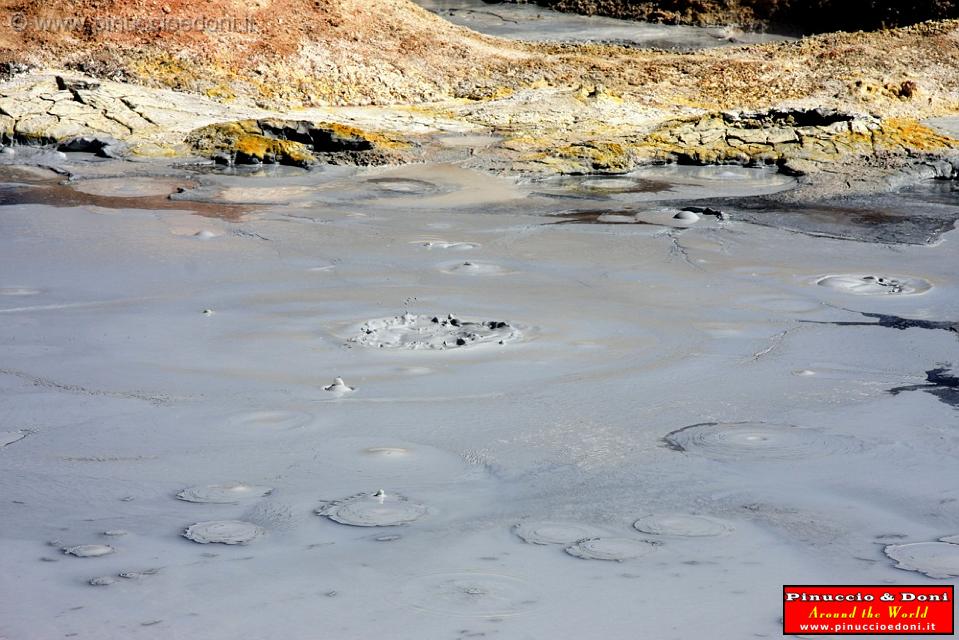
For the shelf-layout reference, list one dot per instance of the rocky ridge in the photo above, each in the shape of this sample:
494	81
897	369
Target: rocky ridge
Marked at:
825	106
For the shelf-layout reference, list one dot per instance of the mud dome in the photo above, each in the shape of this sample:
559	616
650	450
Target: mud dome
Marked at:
89	550
739	441
682	525
551	532
339	388
613	549
437	333
377	509
873	285
935	559
226	493
223	532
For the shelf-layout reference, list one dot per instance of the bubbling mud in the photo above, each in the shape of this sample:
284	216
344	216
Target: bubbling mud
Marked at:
223	532
552	532
415	332
739	441
339	388
373	510
89	550
467	594
872	285
226	493
612	549
934	559
682	525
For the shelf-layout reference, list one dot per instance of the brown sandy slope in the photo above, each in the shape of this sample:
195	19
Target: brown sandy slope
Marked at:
290	53
275	51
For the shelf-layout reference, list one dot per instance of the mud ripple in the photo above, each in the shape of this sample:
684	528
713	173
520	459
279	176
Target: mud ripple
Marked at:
225	493
278	419
404	186
89	550
468	594
223	532
682	525
377	509
554	532
612	549
738	441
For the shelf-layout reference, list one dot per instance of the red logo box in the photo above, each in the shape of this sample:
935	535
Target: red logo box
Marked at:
857	610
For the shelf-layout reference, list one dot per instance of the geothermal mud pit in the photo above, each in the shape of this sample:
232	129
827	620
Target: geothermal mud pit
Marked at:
636	410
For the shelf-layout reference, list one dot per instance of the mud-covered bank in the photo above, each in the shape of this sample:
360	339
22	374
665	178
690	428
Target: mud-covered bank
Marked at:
833	108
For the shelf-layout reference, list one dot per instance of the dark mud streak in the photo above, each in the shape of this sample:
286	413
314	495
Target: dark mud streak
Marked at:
670	441
940	382
676	249
892	322
886	219
26	433
56	194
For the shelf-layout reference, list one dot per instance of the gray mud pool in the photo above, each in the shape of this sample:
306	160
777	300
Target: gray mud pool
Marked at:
539	24
426	402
